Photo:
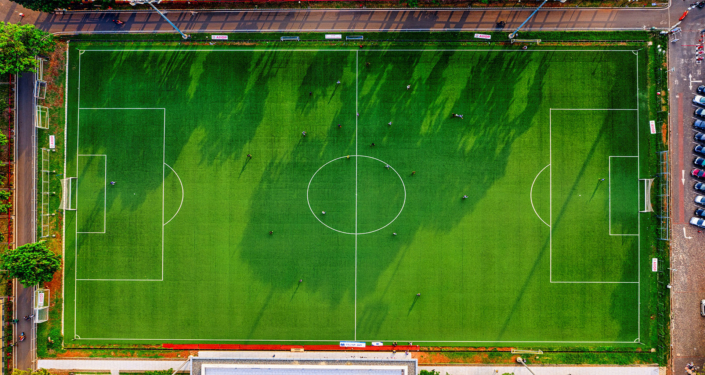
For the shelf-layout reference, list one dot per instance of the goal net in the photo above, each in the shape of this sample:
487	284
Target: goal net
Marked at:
41	305
42	117
67	203
647	194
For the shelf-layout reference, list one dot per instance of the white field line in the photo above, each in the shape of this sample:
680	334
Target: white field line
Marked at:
550	240
609	184
357	72
63	222
78	127
531	195
351	50
182	193
376	339
638	174
357	51
105	193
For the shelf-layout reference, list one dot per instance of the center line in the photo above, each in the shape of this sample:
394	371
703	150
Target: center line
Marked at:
357	69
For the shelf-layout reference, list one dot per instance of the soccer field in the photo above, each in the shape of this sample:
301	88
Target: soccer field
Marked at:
517	223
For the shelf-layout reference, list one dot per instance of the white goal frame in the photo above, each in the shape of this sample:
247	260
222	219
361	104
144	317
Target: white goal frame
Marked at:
42	118
66	192
648	183
41	305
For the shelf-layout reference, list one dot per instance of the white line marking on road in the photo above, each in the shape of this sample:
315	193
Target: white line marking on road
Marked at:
685	235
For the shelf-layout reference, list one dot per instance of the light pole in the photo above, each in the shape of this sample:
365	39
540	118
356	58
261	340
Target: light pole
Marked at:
512	35
523	362
150	2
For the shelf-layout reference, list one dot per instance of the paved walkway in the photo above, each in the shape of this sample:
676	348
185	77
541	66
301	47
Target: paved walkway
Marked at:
112	365
350	20
544	370
126	365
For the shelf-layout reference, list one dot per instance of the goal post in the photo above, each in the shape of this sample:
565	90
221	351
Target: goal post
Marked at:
648	182
67	201
41	305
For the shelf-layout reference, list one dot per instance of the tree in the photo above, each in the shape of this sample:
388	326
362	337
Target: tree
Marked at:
32	263
44	5
19	44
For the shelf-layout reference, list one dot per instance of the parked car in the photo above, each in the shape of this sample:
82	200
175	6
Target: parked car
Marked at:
700	212
699	124
699	173
699	149
700	112
699	186
699	162
700	137
697	222
701	90
700	200
700	100
702	307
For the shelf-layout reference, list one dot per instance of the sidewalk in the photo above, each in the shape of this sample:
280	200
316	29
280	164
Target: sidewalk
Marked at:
112	365
545	370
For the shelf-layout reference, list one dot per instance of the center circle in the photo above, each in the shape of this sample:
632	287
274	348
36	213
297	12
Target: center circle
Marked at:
359	194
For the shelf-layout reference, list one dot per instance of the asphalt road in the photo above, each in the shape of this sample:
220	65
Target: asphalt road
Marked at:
24	217
688	270
340	20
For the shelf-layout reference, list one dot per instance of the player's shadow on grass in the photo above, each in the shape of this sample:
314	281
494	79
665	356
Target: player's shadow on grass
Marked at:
416	299
597	187
244	165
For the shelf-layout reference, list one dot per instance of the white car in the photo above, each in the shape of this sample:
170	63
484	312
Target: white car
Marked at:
697	222
699	100
700	200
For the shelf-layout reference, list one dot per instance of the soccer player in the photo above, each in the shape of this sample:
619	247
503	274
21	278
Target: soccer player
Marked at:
249	156
390	123
303	133
112	182
465	197
408	87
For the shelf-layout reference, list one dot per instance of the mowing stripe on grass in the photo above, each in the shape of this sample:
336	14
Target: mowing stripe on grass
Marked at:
624	196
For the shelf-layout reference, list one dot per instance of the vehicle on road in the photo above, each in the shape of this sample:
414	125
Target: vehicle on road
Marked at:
701	90
699	173
699	100
697	222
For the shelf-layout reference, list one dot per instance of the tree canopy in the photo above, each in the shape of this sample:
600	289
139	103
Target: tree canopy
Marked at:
19	44
31	264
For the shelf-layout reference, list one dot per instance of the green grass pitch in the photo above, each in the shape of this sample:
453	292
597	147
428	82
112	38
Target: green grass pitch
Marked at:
542	250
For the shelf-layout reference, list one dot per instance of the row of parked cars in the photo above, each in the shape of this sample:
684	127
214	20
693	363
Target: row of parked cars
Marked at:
699	161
